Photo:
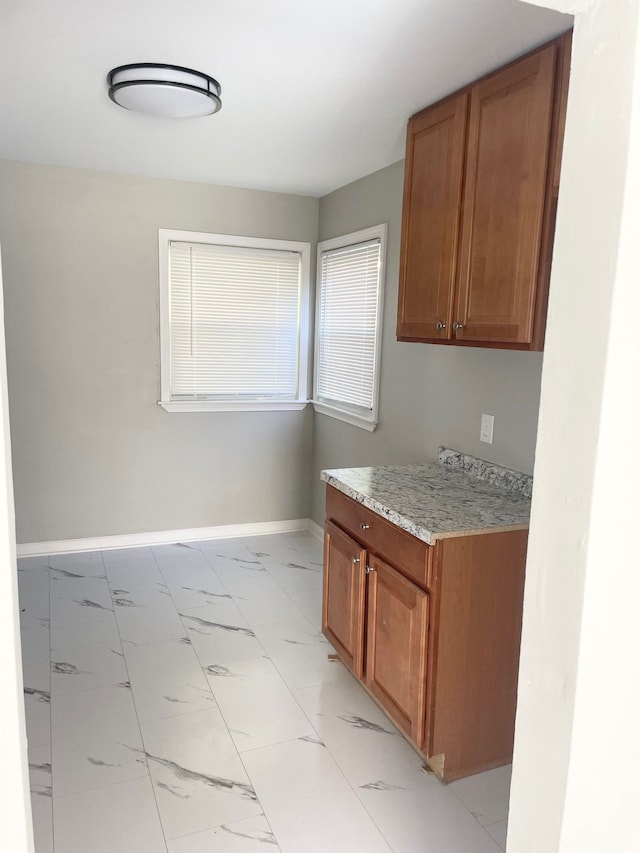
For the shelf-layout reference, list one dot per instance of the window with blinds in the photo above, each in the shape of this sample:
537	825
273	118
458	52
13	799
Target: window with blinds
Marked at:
348	326
234	334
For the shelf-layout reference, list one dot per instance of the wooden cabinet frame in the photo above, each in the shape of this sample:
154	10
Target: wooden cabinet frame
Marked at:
454	695
445	293
397	682
343	611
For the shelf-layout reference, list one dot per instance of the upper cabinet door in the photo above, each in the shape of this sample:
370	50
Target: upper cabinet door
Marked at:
434	169
504	201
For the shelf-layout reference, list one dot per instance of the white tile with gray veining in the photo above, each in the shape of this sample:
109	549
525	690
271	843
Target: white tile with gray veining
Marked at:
251	835
86	656
220	634
198	776
146	615
118	818
79	601
417	813
95	739
362	741
433	501
41	797
182	700
167	679
275	718
37	703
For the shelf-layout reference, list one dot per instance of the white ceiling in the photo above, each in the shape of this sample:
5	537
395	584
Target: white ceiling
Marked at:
315	94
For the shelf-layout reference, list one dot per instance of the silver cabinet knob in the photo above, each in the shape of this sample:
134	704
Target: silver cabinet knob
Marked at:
457	325
355	560
368	570
441	325
364	526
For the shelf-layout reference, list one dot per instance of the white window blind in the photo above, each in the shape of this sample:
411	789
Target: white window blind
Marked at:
348	324
234	318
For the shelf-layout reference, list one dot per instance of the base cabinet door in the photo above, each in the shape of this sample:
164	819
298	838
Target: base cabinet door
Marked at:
343	596
396	646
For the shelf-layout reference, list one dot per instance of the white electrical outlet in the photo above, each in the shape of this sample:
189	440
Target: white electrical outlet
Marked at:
486	429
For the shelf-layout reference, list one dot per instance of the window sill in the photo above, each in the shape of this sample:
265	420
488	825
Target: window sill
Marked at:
343	415
232	405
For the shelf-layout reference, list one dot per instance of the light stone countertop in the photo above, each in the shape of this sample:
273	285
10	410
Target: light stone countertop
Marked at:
438	501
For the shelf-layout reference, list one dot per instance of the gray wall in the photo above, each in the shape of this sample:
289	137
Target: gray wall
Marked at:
93	454
429	394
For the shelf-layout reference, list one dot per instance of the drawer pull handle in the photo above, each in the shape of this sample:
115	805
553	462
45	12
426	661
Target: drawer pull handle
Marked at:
364	525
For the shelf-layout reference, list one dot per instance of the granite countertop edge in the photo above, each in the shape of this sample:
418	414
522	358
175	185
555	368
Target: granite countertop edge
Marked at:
476	491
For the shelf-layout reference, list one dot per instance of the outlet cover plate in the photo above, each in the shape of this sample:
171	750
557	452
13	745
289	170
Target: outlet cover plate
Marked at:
486	429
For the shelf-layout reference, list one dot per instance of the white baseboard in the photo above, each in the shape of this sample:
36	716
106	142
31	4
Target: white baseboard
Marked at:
165	537
316	530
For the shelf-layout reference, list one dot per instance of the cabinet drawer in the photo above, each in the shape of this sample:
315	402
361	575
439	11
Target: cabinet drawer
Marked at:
409	555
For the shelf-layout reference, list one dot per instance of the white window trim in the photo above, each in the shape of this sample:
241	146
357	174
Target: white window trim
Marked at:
343	413
165	236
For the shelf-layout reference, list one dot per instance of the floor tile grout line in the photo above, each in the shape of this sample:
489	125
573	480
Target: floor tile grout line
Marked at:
222	717
197	656
353	787
292	690
264	568
473	815
273	663
53	826
99	787
499	846
266	655
338	765
494	822
230	823
281	674
135	709
329	752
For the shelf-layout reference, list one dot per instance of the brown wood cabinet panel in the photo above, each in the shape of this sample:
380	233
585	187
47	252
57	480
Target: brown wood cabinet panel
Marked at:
397	621
443	664
475	644
504	200
564	71
406	553
343	596
553	186
434	168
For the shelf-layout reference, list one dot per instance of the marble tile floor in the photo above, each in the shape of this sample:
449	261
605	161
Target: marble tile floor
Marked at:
179	699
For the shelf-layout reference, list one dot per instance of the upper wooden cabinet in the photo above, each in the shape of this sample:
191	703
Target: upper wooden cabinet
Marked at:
434	170
481	177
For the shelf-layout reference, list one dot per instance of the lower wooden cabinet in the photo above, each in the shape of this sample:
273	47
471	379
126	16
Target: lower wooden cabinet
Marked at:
394	667
439	656
343	596
396	657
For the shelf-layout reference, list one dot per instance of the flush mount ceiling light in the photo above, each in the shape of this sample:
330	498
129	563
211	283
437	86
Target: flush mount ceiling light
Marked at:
168	91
